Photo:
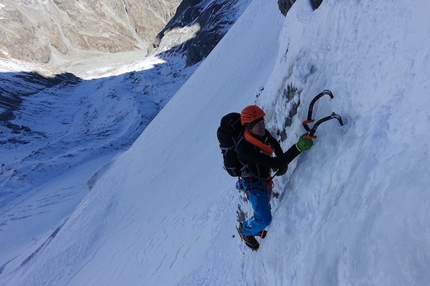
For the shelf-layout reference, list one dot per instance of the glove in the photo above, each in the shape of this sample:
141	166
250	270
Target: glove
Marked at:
282	171
304	144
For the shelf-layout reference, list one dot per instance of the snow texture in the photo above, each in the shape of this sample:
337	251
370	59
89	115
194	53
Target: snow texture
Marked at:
352	209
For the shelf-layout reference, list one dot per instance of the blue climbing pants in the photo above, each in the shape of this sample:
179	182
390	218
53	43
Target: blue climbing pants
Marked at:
259	199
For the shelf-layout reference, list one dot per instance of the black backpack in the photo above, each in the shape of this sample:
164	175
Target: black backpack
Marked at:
229	134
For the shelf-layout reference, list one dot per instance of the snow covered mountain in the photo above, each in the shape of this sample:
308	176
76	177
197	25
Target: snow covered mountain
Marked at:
79	113
352	210
118	111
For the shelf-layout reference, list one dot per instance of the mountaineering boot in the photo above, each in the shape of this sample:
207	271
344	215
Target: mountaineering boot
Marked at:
250	241
262	233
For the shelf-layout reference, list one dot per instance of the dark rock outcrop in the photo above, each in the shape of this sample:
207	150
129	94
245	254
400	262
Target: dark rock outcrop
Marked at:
285	5
211	20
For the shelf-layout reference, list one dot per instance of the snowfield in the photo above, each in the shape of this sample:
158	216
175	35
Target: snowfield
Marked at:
352	210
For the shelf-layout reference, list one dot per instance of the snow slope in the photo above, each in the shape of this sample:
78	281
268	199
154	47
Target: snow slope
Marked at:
355	209
352	210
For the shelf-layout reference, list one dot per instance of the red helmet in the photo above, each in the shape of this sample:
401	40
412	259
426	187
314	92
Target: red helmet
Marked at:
250	114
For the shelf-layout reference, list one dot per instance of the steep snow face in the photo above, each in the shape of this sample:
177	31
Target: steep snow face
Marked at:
352	210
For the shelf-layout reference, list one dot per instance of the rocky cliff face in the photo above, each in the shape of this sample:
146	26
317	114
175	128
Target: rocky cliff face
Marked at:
38	31
208	20
49	31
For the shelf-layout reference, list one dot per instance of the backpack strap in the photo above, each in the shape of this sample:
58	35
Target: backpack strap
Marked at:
234	146
239	139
